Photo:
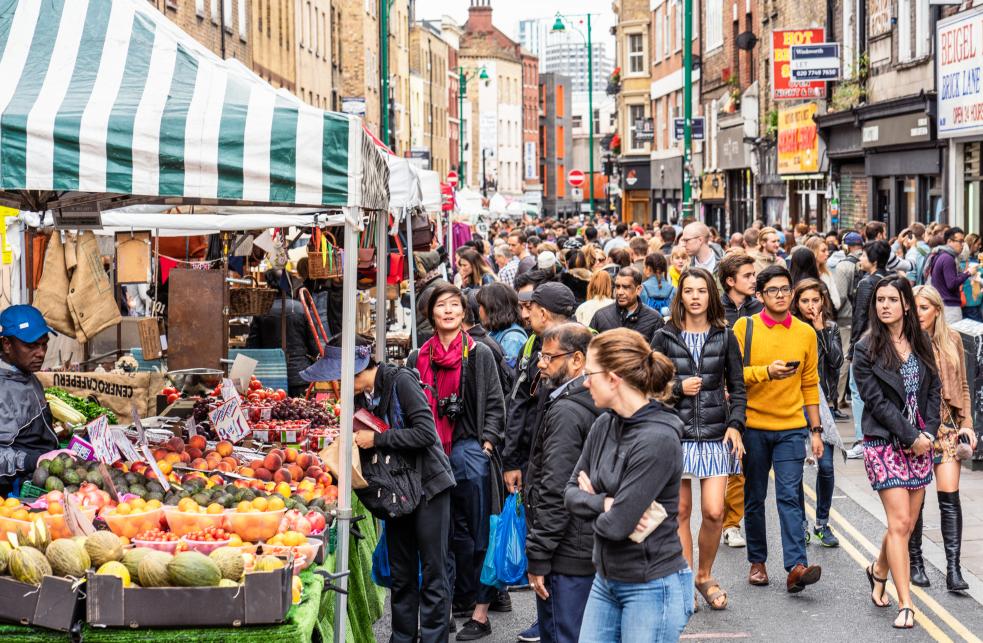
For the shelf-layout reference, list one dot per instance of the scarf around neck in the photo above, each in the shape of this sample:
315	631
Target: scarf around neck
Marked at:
440	371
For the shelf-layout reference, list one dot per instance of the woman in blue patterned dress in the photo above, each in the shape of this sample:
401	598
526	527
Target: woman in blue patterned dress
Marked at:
711	401
895	370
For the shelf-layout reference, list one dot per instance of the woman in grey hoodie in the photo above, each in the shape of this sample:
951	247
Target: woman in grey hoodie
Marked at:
627	482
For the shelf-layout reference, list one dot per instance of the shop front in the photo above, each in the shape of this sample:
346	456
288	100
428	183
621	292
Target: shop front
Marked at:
849	185
667	192
734	159
713	193
802	165
636	185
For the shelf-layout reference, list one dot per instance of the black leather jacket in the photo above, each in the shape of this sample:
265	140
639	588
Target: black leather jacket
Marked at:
644	319
830	359
707	415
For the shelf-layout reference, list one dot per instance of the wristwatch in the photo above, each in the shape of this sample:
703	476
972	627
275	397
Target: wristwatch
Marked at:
816	429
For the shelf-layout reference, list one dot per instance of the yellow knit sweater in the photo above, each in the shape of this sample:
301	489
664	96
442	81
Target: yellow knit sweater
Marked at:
776	405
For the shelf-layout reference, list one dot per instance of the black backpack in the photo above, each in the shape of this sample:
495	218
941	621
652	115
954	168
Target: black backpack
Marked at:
858	276
394	486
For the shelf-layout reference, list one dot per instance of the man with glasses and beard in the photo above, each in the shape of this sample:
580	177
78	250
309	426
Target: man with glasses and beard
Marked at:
558	544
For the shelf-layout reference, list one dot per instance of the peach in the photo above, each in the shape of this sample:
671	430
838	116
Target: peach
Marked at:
325	479
272	461
247	472
175	444
296	473
282	475
314	472
185	457
305	460
225	467
194	452
290	455
139	467
255	464
224	448
172	457
198	442
199	463
264	474
160	453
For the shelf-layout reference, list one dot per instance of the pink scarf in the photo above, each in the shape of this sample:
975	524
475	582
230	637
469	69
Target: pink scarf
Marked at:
442	365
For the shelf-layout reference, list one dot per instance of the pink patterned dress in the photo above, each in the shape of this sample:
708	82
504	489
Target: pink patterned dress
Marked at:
888	464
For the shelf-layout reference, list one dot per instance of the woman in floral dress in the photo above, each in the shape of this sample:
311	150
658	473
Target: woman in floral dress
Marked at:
896	373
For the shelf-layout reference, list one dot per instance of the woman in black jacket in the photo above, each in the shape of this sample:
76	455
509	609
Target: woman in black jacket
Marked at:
811	304
707	359
894	367
416	542
627	483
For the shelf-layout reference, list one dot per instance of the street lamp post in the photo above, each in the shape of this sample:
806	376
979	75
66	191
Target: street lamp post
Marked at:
560	26
687	209
462	87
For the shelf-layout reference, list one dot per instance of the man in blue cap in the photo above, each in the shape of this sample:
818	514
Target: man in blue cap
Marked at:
26	426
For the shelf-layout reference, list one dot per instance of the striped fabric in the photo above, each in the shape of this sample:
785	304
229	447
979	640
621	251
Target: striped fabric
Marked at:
708	460
109	96
694	342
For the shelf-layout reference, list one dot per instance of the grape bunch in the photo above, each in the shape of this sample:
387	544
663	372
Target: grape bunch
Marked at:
299	409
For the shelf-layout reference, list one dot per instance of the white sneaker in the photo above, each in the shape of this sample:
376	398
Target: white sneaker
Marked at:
856	452
734	538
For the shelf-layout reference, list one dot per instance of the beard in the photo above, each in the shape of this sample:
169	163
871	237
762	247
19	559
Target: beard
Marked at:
557	380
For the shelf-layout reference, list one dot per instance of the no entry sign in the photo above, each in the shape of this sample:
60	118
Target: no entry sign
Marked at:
576	178
452	178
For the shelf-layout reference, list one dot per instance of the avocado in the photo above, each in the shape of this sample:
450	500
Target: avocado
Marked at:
139	490
155	487
40	476
70	476
53	484
202	499
55	467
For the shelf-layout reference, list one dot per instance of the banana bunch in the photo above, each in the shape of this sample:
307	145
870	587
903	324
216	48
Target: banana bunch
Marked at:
63	412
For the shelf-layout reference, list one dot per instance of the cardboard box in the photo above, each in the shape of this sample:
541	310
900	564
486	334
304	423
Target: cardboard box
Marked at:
56	605
264	598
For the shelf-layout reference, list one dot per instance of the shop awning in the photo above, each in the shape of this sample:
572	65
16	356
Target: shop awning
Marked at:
109	97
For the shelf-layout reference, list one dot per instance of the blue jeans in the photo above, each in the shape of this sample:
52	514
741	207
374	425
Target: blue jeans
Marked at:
561	615
784	451
825	482
857	405
656	611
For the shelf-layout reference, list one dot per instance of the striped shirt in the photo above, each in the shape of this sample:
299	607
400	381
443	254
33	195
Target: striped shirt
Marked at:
694	342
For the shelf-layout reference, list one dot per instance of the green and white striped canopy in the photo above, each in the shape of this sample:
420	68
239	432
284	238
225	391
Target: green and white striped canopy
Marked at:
110	97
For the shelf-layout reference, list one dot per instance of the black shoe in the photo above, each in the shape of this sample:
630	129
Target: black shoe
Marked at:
462	611
839	415
473	630
501	603
918	576
453	626
951	514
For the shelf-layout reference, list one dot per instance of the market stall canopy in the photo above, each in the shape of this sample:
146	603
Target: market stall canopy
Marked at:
107	102
404	184
469	202
430	190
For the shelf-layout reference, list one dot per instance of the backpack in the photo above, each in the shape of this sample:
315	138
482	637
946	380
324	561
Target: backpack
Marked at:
393	484
659	297
507	369
857	277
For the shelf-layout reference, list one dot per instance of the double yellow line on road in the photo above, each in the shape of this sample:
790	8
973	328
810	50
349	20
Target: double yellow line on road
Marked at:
918	594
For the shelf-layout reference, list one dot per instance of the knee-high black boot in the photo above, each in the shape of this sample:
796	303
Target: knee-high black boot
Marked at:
918	575
952	536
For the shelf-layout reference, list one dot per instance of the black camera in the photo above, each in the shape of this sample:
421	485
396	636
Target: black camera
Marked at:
450	407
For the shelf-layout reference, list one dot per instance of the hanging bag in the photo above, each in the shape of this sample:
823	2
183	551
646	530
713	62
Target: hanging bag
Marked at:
423	231
510	541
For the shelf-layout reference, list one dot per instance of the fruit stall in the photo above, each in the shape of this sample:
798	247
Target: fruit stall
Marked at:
76	531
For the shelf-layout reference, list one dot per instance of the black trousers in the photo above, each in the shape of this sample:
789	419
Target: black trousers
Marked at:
420	539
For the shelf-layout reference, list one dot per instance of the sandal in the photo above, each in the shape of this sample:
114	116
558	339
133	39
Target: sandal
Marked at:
873	580
696	603
907	624
712	597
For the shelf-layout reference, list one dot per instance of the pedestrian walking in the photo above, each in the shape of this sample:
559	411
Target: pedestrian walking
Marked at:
558	543
946	278
895	368
628	311
627	483
599	292
767	252
846	276
473	270
821	253
499	312
811	304
657	289
956	426
710	399
782	379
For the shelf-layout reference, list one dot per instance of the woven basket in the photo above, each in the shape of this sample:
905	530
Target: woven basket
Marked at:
324	265
250	301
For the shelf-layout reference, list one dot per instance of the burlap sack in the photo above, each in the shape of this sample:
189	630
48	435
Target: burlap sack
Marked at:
115	391
90	293
51	296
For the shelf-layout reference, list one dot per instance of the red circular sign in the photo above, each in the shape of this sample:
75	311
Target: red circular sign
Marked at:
576	178
452	177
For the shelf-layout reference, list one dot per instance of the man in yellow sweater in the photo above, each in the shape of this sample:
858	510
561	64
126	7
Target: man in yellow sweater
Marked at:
780	360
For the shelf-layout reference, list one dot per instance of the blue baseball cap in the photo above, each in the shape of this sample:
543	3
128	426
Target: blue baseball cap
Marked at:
328	368
853	239
24	322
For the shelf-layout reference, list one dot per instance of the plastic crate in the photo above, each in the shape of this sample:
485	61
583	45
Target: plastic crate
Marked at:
29	491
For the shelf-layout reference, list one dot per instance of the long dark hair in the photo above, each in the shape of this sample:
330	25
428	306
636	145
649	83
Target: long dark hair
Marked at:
715	309
881	345
802	264
479	267
501	305
818	286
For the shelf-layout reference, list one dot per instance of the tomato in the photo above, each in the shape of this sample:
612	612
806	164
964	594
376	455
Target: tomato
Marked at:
172	398
255	385
168	390
281	394
253	397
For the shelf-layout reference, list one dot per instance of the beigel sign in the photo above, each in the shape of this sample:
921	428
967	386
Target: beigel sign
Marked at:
959	62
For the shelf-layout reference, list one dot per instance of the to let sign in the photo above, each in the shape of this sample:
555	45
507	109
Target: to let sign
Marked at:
816	62
798	140
959	60
783	86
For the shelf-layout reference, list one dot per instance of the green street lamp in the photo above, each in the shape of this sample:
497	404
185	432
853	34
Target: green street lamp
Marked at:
560	26
462	88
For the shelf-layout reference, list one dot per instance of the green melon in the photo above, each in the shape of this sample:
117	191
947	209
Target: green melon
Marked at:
103	547
67	558
191	569
5	550
28	565
132	558
229	561
152	569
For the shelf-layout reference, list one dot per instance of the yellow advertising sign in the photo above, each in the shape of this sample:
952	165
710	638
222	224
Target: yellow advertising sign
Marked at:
798	140
6	255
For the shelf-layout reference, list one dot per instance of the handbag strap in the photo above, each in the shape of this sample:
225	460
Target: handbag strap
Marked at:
748	335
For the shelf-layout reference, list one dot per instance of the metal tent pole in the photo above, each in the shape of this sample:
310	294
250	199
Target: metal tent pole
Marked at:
344	510
412	272
382	259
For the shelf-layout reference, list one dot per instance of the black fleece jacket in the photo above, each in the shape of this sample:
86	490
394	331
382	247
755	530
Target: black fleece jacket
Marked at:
556	540
644	319
634	460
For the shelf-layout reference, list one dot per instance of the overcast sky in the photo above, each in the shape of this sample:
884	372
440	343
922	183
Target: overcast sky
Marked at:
507	14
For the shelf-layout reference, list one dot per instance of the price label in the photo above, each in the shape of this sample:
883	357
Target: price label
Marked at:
82	449
265	414
229	390
191	426
141	434
229	421
102	440
124	445
161	478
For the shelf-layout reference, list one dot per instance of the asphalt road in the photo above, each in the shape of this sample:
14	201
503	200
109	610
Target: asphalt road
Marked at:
838	608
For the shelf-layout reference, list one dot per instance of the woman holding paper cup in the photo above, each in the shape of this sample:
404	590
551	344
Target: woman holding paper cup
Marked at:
711	401
627	482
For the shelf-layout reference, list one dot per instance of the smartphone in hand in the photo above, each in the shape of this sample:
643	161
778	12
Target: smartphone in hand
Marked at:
794	364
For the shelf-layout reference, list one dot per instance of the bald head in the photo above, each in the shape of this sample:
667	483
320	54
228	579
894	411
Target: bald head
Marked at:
695	237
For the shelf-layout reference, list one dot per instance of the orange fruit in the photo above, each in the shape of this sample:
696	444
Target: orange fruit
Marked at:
260	503
293	538
235	541
5	512
215	508
13	503
124	509
153	504
20	514
55	508
173	458
187	504
164	466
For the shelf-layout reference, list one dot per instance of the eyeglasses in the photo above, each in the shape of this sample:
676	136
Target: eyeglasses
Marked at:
546	358
588	374
959	240
774	292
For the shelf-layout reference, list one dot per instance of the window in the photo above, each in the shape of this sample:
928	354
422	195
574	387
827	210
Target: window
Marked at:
635	113
561	181
560	143
243	23
636	53
214	11
227	18
849	39
659	124
666	34
922	34
200	8
559	101
715	24
597	121
904	30
577	121
658	35
678	10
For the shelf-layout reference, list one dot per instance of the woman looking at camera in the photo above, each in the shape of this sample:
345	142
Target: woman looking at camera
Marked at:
707	358
956	426
643	588
894	367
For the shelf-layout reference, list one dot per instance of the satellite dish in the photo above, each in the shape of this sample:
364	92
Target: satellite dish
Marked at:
746	41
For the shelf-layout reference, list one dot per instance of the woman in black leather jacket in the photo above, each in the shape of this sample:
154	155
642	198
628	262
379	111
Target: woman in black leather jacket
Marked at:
811	304
711	401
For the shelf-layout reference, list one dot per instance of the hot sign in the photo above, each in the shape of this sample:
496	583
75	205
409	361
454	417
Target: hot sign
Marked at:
782	85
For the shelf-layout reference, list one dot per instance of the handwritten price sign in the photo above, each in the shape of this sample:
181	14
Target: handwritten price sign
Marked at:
102	440
229	421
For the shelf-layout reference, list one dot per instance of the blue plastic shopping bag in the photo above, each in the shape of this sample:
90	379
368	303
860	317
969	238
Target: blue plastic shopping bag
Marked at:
381	571
510	542
488	567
